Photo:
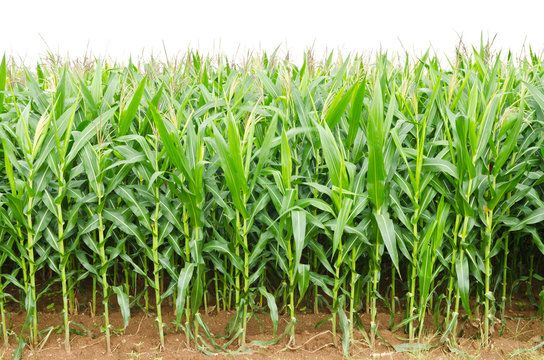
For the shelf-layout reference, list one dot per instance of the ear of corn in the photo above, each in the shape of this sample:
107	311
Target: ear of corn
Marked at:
212	187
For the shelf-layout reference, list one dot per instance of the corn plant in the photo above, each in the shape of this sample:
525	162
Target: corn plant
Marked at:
29	135
235	159
97	164
418	190
60	162
377	132
191	170
290	229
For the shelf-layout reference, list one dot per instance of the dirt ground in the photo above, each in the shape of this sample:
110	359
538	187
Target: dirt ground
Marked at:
140	340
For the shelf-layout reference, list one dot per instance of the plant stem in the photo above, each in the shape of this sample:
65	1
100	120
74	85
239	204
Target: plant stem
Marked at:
63	263
375	280
488	293
3	314
237	247
316	289
352	310
412	293
156	268
504	276
452	268
335	289
146	285
393	298
291	290
94	280
187	260
246	280
32	275
105	288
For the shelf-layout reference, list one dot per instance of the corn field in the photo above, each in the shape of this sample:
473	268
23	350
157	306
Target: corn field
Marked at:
343	186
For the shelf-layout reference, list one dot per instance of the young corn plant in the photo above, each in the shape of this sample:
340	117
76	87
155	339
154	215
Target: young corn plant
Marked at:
503	177
94	163
290	228
418	190
187	158
431	248
141	198
34	177
97	164
464	185
342	177
348	192
241	178
60	163
378	127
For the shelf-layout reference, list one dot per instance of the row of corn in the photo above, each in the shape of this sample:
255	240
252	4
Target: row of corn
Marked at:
343	186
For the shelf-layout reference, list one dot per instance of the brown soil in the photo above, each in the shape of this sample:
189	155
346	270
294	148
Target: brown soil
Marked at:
140	340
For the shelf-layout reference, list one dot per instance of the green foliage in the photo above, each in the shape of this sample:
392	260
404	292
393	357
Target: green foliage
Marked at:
274	186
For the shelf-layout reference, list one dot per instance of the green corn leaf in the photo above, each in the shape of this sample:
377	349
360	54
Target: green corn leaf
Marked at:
538	94
487	126
81	138
129	197
508	146
286	163
440	165
299	233
184	279
319	252
376	166
88	100
341	222
272	307
303	280
232	176
321	282
387	232
172	145
344	324
18	352
235	150
461	268
121	222
127	115
197	289
268	85
338	106
122	300
264	152
356	111
536	216
224	248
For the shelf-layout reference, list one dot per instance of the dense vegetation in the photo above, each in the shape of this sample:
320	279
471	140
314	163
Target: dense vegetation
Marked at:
344	185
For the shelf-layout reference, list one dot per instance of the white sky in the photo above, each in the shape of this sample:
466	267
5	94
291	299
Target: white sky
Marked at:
118	28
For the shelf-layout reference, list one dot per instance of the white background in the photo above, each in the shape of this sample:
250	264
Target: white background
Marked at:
118	28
